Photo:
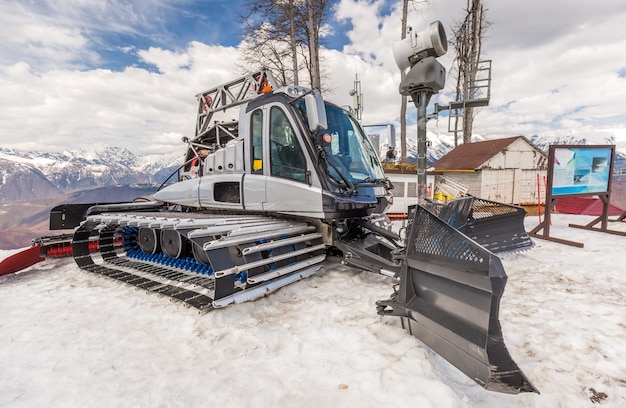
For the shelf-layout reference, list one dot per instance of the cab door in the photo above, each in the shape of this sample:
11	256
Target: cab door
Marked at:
279	177
291	186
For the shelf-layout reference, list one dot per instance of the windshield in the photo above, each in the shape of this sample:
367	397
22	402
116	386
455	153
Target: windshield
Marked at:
348	150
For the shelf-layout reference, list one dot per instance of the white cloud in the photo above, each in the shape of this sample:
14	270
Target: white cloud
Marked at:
555	66
38	38
164	60
135	108
555	70
566	80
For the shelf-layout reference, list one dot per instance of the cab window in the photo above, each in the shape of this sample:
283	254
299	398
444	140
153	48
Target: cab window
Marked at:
286	156
256	130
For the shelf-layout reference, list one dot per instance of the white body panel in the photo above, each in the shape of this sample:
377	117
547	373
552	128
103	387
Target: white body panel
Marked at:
184	193
254	193
292	197
226	160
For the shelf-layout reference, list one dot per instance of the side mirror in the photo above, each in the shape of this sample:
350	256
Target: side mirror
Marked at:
315	111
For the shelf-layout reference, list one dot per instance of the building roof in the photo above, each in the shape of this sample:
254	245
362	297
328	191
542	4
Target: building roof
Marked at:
471	156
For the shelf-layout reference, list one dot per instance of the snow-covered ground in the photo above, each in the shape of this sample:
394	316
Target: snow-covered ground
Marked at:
71	339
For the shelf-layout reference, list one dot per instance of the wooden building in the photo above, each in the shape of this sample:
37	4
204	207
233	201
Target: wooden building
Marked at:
509	170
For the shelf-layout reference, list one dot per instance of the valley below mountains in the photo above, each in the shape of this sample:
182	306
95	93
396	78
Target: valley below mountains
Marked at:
32	183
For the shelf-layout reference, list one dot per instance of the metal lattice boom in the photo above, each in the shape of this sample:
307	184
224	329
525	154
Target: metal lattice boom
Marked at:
231	94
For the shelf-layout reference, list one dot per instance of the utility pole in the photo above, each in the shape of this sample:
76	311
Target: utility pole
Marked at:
357	98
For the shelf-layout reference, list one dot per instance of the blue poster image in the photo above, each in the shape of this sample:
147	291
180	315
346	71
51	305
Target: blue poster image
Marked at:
581	170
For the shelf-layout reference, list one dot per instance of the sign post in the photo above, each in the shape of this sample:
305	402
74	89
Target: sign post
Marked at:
574	171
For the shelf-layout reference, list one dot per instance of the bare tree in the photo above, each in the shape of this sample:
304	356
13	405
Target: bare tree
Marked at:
467	43
263	52
292	40
269	38
287	30
313	32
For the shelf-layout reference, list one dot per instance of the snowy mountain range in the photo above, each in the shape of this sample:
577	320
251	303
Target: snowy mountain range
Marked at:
28	175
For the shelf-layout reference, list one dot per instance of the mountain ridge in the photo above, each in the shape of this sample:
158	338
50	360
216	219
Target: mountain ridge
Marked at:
28	175
32	174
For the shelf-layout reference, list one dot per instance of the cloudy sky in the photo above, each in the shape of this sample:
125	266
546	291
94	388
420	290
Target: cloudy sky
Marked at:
124	72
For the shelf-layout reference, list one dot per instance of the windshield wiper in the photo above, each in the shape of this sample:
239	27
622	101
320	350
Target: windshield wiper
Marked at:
371	180
346	181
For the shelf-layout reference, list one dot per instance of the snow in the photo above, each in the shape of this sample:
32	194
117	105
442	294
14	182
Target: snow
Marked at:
70	339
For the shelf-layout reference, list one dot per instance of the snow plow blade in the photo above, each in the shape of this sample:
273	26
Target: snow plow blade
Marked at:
496	226
449	298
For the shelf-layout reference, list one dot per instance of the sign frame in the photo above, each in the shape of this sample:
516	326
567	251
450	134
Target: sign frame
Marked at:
580	170
589	174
